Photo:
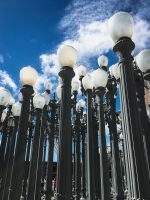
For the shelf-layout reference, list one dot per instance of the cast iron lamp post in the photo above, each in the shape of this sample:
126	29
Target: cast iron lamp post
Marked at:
53	106
28	77
100	78
88	87
143	62
38	102
67	57
16	110
111	114
76	175
121	29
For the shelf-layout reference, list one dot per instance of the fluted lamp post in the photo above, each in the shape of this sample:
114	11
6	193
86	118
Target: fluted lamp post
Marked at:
100	78
143	62
112	124
67	56
88	87
38	102
28	77
121	29
16	111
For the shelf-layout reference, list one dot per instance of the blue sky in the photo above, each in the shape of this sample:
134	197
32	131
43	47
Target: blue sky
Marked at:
32	30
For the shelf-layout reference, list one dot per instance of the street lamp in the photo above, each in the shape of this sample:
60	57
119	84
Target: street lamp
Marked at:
100	78
38	102
142	63
16	111
112	124
121	30
28	76
67	57
88	87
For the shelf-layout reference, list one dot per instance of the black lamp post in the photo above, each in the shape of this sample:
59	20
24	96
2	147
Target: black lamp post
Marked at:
88	86
132	125
64	177
116	167
100	78
19	159
51	136
39	102
142	60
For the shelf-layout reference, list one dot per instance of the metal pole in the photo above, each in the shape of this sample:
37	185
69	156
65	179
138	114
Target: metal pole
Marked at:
49	173
78	160
96	159
140	175
83	191
90	148
19	160
104	170
116	167
10	160
34	158
64	181
40	155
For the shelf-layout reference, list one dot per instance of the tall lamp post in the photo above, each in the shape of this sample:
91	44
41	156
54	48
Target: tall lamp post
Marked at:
121	29
116	167
88	87
28	76
67	57
100	78
143	62
38	102
16	110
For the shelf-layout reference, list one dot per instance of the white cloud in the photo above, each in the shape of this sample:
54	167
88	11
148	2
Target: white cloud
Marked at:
1	58
49	68
6	80
92	39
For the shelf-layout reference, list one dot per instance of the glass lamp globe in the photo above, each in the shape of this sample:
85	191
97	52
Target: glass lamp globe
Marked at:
143	60
120	25
47	85
100	78
116	71
5	97
87	82
75	85
58	91
102	61
67	56
16	109
12	101
38	101
4	114
28	76
81	70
